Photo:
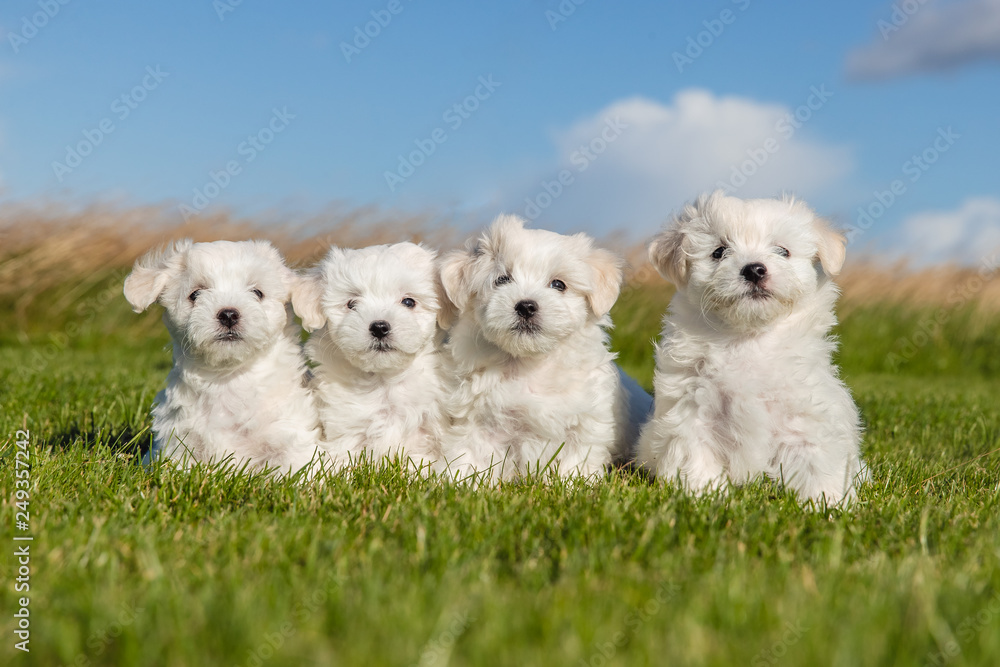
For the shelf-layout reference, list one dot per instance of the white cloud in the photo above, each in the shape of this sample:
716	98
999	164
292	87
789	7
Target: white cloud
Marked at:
666	154
966	235
927	36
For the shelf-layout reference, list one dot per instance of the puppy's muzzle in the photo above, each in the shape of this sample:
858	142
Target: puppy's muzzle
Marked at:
229	318
526	323
756	275
380	330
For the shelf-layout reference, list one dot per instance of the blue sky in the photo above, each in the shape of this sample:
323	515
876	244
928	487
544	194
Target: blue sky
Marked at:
635	106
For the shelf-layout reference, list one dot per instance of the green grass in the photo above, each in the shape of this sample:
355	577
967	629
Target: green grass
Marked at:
161	567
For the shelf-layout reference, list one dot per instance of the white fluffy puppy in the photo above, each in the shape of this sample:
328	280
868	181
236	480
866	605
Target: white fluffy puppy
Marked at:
744	380
377	377
532	382
237	385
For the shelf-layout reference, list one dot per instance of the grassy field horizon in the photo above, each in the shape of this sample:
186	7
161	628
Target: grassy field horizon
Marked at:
132	566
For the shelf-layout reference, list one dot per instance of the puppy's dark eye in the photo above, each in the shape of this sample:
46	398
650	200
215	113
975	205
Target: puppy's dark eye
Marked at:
782	251
408	302
352	304
193	296
719	252
558	285
503	280
257	293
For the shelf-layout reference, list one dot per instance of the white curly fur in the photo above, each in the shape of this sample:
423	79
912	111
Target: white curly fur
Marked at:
377	397
744	380
234	391
528	392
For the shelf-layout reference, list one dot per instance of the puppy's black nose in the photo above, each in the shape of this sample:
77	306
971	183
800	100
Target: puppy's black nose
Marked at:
228	317
755	272
379	328
526	309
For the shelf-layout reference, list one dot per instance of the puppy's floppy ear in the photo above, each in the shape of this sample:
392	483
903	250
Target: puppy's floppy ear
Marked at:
607	281
447	311
307	299
267	250
454	279
832	247
152	272
668	255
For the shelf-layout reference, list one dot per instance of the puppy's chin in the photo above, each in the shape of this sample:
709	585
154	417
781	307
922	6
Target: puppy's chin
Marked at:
754	308
755	313
379	359
355	345
521	339
225	349
224	352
